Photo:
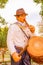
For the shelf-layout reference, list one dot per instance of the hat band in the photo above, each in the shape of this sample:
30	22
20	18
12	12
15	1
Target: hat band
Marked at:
20	14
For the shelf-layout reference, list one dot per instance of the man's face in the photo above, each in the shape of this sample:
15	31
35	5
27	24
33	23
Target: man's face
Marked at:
21	17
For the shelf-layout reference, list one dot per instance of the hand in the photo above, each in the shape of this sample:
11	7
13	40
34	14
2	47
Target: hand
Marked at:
16	57
32	28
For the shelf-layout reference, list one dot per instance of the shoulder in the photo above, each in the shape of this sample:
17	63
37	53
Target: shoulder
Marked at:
13	26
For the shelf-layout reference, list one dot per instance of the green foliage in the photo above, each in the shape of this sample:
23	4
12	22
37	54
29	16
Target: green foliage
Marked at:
2	20
2	3
3	33
38	1
41	13
42	1
0	37
3	36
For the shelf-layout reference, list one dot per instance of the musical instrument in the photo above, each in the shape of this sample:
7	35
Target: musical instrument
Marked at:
35	48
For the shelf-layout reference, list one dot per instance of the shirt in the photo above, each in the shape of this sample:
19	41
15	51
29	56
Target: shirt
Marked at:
16	37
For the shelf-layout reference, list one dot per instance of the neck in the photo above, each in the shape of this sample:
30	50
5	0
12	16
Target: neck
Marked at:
24	23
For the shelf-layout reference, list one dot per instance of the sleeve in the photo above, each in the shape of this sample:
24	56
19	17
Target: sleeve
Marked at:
31	34
31	30
10	43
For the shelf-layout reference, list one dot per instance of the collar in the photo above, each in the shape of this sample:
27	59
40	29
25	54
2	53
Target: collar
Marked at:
23	24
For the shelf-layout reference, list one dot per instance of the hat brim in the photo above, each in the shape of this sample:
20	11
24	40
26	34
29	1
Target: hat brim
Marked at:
21	14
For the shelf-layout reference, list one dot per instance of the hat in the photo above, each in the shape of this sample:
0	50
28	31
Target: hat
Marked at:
20	11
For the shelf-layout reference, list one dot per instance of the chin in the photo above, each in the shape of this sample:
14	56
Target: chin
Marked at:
22	21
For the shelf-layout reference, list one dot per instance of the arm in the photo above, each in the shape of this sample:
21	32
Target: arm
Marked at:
31	27
11	44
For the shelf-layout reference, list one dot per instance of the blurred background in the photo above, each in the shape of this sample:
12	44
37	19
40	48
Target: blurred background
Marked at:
7	10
